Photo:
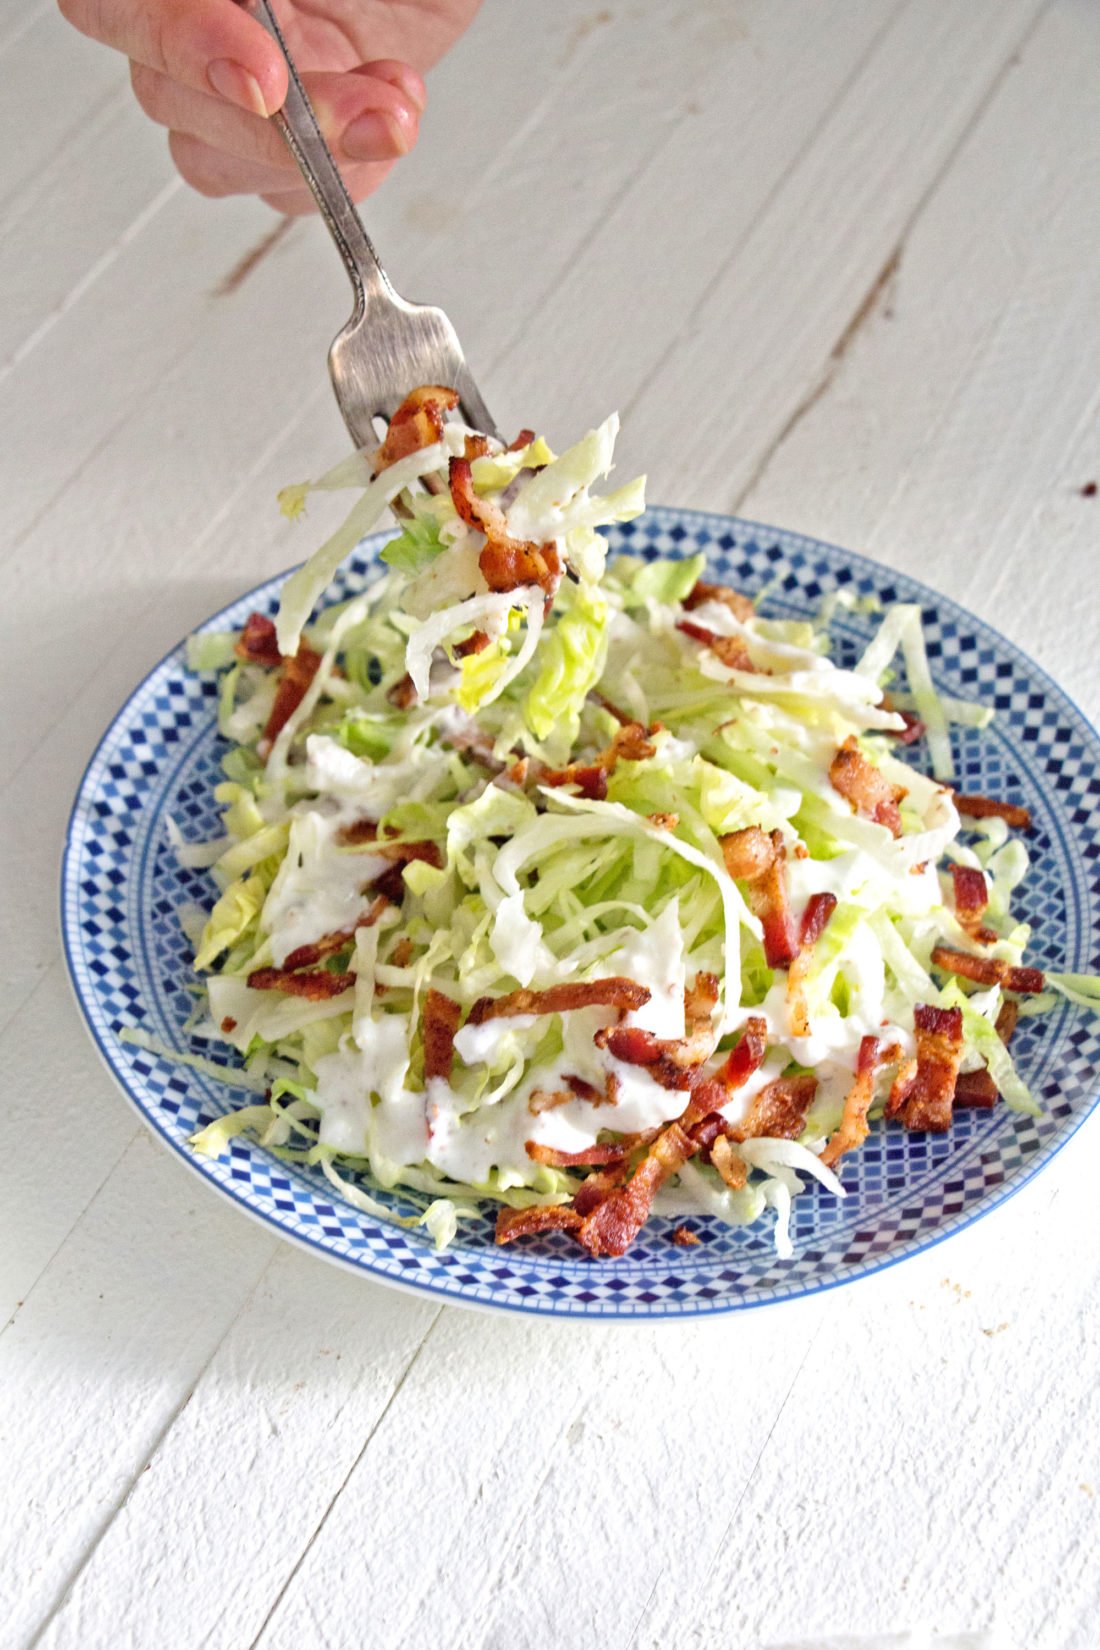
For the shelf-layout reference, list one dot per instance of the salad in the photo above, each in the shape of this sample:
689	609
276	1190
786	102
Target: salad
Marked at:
585	889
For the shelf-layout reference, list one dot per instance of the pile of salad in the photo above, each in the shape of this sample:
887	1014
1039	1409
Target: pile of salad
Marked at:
584	890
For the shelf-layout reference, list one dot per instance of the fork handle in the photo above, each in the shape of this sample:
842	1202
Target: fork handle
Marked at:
298	125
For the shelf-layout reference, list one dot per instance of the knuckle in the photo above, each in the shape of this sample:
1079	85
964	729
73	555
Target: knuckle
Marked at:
144	83
190	165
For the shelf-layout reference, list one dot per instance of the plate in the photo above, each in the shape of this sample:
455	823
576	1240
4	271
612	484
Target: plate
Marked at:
121	888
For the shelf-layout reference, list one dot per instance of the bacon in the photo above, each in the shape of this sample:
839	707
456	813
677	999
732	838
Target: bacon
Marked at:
984	807
616	992
229	1024
730	649
476	643
976	1088
308	956
576	1088
743	1060
297	674
596	1187
316	984
779	1110
439	1022
673	1062
515	1223
853	1128
615	1222
664	822
923	1101
729	1163
257	643
760	860
591	1155
475	446
589	778
362	832
390	885
506	563
402	694
1007	1017
417	423
684	1238
815	918
989	970
610	707
523	439
748	854
971	892
631	743
402	952
701	591
860	783
913	730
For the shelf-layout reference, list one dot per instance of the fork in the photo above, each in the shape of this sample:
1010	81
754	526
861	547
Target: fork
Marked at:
389	346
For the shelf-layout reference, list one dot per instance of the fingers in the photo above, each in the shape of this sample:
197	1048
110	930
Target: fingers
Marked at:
364	116
215	173
207	45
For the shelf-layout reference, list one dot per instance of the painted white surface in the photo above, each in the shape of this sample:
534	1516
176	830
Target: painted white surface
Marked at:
861	241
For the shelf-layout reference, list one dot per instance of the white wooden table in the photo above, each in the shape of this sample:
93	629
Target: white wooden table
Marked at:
838	265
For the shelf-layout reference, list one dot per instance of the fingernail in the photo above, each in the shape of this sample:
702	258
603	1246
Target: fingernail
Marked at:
374	136
236	85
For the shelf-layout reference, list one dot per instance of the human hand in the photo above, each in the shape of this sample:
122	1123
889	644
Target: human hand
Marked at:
211	74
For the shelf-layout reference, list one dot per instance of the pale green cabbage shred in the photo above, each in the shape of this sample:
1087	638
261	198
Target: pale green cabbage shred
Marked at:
519	882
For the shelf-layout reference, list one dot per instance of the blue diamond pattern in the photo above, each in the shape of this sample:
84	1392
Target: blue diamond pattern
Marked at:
129	961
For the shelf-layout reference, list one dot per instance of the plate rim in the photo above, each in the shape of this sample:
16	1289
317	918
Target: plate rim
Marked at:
685	1308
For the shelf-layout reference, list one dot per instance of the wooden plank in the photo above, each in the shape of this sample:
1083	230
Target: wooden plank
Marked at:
55	83
260	1428
198	1263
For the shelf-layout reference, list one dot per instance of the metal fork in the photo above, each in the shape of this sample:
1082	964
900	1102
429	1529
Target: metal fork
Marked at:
389	346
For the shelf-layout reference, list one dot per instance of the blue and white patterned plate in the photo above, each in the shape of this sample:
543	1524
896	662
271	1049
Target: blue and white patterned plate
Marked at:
121	887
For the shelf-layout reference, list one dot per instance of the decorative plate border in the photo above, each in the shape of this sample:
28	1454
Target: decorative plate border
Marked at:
127	959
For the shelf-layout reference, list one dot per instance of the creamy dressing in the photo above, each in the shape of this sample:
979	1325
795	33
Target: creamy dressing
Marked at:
320	885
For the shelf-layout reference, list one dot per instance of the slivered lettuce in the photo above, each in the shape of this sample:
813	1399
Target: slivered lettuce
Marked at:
454	813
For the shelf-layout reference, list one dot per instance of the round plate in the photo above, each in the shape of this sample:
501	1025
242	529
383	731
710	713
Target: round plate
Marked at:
121	887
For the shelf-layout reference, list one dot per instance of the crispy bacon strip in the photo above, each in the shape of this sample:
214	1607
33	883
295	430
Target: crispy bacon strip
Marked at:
853	1128
684	1238
730	649
591	1155
1007	1018
819	908
523	439
417	423
760	860
476	643
598	1185
631	743
971	900
989	970
861	784
616	992
297	674
976	1088
729	1163
439	1022
615	1222
702	591
924	1102
506	563
610	707
674	1063
984	807
362	832
402	694
913	730
308	956
515	1223
316	984
257	643
779	1110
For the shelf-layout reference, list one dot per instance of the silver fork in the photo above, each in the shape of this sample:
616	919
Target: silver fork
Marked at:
389	346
